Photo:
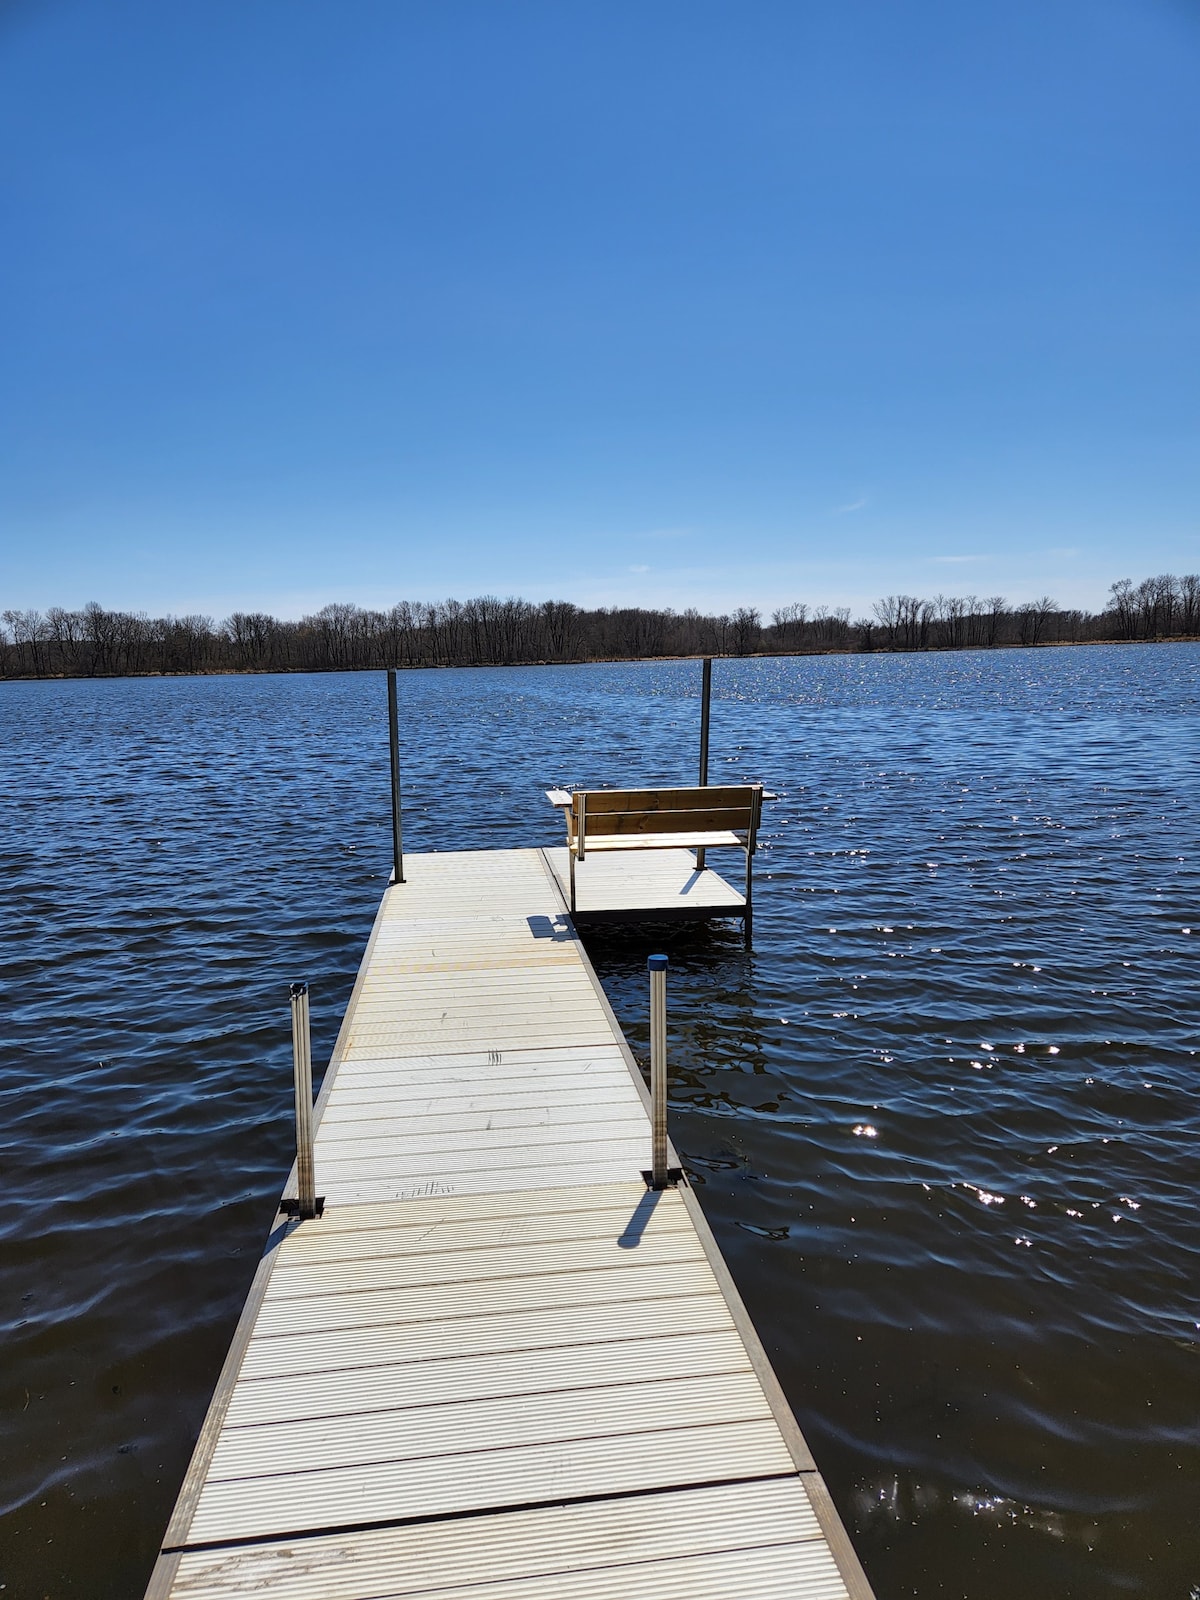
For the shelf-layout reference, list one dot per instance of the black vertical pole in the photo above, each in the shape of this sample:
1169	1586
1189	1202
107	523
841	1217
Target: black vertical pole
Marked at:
705	700
394	741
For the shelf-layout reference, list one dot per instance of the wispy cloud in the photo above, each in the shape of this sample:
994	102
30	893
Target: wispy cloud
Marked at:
855	505
956	561
639	569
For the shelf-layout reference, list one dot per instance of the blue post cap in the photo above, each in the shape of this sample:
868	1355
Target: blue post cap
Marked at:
657	963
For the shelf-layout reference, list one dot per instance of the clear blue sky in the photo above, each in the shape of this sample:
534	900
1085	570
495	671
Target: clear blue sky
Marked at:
612	300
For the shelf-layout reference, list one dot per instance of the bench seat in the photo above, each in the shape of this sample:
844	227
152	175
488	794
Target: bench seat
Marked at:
700	819
663	841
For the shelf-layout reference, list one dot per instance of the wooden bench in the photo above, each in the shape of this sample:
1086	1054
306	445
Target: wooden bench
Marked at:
600	820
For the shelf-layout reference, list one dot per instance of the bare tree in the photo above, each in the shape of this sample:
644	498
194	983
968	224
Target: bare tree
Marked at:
1124	605
251	634
951	615
66	634
887	613
30	635
997	610
830	628
915	615
1189	603
788	625
747	630
1032	618
1157	600
100	630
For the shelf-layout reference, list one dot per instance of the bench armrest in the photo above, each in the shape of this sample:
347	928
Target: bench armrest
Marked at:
559	797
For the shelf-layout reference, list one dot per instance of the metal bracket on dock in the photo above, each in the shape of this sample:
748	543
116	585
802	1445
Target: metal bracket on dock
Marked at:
293	1208
674	1175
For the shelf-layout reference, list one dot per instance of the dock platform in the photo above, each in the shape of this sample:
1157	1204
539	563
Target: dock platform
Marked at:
658	886
498	1367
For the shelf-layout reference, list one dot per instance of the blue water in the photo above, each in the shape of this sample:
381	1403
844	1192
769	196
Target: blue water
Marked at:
944	1118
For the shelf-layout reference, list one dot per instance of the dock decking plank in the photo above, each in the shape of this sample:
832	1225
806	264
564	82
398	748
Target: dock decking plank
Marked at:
469	1143
368	1308
561	1104
420	1431
434	1380
482	1265
513	1475
384	1231
564	1544
774	1572
574	1198
349	1186
291	1353
431	1379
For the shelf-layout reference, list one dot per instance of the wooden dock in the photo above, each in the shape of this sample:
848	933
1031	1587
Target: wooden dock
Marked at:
498	1367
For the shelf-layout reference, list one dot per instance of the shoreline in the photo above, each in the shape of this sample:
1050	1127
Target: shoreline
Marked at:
590	661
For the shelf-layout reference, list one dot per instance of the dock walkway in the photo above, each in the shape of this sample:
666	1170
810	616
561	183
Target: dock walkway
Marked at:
498	1367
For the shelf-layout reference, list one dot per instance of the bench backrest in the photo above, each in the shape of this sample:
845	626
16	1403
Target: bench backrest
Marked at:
608	812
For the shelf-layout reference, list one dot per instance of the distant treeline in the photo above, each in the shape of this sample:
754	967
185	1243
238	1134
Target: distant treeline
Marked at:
96	642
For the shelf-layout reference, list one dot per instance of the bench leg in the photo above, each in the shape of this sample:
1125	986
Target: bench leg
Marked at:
748	918
571	858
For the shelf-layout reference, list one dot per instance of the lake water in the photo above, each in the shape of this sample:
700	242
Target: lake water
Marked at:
944	1119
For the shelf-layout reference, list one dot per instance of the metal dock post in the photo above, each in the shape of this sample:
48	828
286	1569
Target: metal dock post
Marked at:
307	1204
705	704
659	1177
394	744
